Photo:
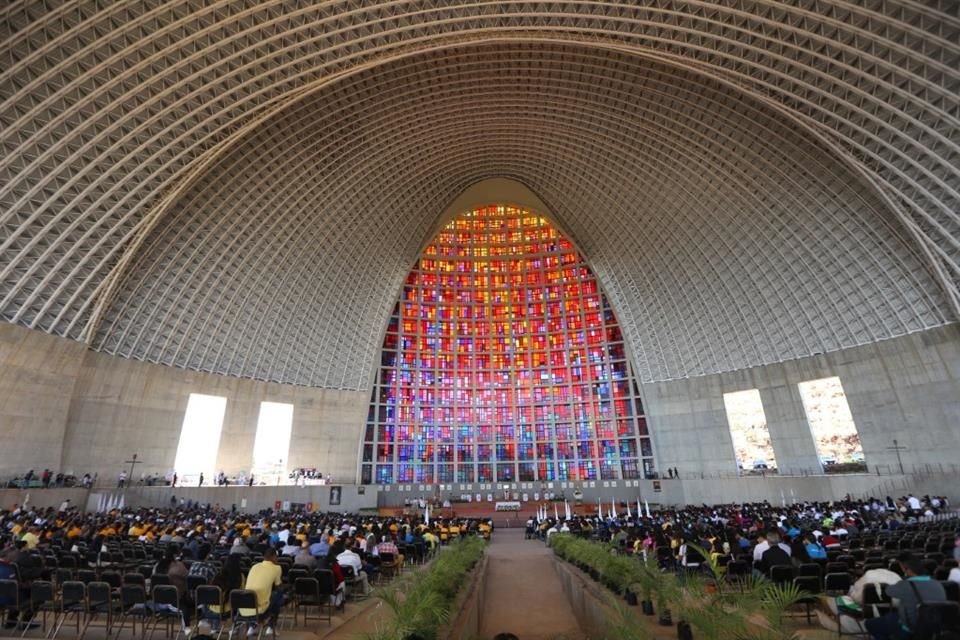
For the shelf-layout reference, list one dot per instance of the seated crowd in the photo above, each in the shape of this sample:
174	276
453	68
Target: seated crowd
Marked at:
873	561
266	553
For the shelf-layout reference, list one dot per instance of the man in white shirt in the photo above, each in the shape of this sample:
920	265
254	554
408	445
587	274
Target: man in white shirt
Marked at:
914	502
350	559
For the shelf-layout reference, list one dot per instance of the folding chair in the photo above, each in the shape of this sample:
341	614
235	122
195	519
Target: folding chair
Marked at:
297	572
195	581
389	566
207	596
952	590
328	586
307	593
352	581
9	600
836	584
781	574
244	599
73	601
133	605
100	602
43	600
166	609
810	585
947	614
134	578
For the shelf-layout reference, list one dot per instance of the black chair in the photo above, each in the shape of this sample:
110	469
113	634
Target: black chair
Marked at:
112	578
86	576
952	590
836	567
388	565
328	584
157	580
195	581
781	574
352	580
876	602
297	572
738	571
166	609
241	599
207	596
73	601
307	593
809	569
810	586
836	583
62	575
944	615
133	605
9	600
134	578
100	602
43	600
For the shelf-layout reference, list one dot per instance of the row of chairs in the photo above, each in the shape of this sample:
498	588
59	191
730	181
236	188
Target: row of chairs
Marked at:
83	604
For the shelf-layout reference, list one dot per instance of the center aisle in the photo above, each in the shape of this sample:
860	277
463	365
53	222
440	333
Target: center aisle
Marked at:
523	594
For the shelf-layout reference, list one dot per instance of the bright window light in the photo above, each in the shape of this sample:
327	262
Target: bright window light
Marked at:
831	423
271	448
748	427
200	437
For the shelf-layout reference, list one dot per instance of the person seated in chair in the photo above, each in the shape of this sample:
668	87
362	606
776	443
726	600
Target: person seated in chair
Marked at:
265	579
915	589
348	558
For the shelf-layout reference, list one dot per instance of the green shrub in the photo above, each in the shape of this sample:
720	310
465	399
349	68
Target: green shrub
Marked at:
420	602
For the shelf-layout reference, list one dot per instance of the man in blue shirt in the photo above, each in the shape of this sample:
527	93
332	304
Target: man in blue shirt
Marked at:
319	547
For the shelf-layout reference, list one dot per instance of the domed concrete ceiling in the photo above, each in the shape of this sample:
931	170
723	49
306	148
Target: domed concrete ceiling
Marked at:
241	187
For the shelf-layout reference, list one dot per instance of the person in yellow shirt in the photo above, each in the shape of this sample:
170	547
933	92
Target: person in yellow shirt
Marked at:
484	529
31	538
262	579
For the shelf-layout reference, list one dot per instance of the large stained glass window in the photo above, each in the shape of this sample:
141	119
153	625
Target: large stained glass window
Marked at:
503	362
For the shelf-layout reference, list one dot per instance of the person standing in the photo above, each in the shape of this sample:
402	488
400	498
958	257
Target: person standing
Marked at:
122	481
201	480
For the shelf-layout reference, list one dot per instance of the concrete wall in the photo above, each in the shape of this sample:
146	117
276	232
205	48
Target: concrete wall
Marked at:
121	407
37	375
257	498
906	389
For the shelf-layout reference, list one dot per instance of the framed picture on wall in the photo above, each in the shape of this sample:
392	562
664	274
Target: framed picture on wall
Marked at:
361	490
335	496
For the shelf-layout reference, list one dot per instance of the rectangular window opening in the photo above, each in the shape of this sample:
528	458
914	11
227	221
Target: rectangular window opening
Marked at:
748	428
271	447
834	433
200	438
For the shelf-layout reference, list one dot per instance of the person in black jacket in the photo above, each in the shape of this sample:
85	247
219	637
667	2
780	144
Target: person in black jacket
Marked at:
778	554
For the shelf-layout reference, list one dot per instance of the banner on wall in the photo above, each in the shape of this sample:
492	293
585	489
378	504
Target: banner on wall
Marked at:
335	493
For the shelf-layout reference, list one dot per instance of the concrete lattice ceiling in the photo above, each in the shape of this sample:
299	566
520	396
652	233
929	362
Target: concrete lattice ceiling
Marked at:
240	187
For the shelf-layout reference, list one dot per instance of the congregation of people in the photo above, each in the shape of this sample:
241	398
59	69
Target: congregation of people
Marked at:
863	552
264	553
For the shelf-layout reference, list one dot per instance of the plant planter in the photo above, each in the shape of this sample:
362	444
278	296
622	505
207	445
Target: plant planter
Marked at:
631	598
684	632
646	606
666	619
